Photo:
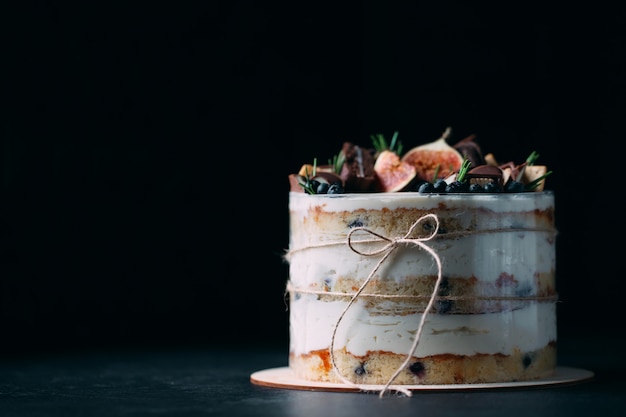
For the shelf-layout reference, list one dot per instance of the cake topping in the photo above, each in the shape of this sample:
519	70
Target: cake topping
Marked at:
484	174
435	167
393	174
357	167
435	159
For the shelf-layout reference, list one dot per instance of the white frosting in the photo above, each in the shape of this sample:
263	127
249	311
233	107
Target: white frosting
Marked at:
500	202
507	236
312	323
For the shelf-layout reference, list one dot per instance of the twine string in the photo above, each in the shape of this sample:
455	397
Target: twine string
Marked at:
446	235
386	251
292	288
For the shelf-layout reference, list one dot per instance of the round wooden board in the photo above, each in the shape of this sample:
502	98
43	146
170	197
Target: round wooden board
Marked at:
283	378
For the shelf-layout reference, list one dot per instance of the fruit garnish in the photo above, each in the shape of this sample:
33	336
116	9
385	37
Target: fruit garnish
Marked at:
434	167
434	160
536	184
392	173
313	179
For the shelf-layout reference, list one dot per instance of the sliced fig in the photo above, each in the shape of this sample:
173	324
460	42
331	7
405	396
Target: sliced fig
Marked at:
434	160
393	174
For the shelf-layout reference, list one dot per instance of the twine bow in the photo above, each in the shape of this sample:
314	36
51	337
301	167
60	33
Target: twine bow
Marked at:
386	251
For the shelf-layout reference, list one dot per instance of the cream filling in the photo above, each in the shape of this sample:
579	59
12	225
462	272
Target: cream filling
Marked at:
525	329
486	256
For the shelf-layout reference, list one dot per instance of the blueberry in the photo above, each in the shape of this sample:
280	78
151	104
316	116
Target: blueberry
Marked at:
360	370
491	187
526	360
457	187
475	188
314	184
417	369
355	223
444	306
426	188
335	188
322	188
440	186
514	187
524	290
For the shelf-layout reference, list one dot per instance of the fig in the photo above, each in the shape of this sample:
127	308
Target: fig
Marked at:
392	173
434	160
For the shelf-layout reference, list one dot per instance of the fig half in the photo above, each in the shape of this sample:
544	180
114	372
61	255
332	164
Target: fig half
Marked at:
393	174
434	160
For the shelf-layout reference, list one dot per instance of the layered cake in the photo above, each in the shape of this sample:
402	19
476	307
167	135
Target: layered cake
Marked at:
448	278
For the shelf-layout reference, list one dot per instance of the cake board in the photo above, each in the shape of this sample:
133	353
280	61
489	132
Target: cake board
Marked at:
283	377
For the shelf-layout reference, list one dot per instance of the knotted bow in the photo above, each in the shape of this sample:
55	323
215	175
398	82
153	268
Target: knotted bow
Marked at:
387	250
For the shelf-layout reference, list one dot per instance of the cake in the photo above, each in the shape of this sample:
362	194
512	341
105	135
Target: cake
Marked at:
419	284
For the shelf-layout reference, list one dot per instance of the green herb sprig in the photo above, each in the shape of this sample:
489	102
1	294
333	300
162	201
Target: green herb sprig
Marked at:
532	158
380	143
531	186
307	186
337	162
463	170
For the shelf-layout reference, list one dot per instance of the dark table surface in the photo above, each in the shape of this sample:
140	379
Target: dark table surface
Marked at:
216	381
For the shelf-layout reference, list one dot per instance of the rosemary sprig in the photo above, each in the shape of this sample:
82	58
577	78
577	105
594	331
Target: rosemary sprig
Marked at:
337	162
380	143
436	174
307	186
532	158
535	183
463	170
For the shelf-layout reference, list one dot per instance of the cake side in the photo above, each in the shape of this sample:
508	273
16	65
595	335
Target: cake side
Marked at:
493	319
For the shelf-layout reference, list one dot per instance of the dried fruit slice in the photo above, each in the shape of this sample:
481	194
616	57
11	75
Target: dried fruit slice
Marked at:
434	160
534	172
392	173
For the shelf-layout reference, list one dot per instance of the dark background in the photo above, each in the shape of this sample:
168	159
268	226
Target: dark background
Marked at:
146	148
